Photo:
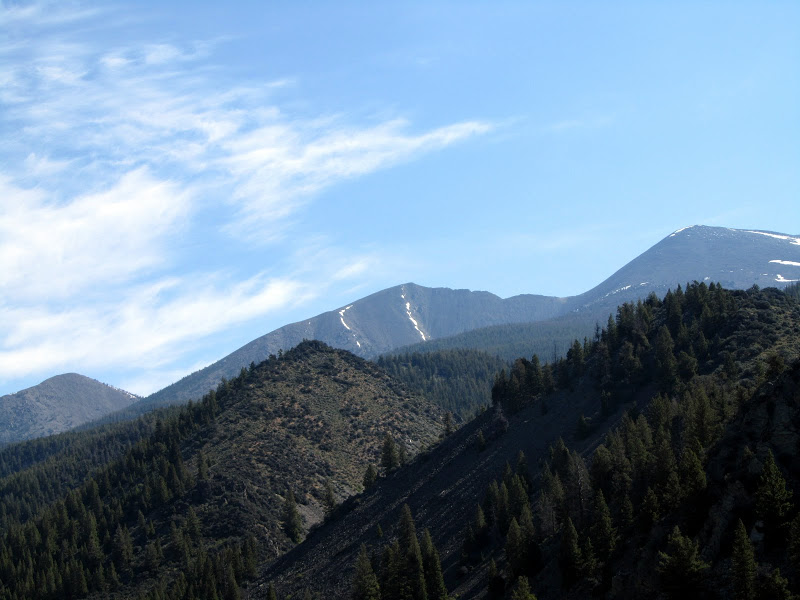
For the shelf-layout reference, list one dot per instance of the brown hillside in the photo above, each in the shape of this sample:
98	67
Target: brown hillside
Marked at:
316	414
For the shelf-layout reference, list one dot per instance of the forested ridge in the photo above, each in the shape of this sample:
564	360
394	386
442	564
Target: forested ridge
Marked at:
37	472
548	339
177	513
647	407
654	509
459	381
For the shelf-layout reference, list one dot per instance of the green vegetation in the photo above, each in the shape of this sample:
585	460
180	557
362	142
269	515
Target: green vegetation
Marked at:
410	569
678	423
703	353
173	512
549	339
459	381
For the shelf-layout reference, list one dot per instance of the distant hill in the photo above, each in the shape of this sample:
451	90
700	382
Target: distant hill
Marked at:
58	404
735	258
411	314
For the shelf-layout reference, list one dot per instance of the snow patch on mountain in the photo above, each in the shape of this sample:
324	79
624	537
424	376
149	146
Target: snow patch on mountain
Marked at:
781	279
341	316
411	318
677	231
791	263
414	322
126	392
778	236
622	289
346	326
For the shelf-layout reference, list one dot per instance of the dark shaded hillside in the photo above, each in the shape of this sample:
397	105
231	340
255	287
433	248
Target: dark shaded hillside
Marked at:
201	498
57	404
662	380
441	488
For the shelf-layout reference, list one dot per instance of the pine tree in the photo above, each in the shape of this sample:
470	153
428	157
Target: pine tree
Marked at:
123	549
650	511
412	574
231	587
192	525
517	496
496	585
680	567
515	548
603	534
775	587
370	475
329	499
151	557
292	523
432	566
533	554
449	427
569	555
480	441
250	556
523	471
773	500
743	565
402	455
522	591
480	528
626	513
390	572
665	359
693	477
390	459
365	582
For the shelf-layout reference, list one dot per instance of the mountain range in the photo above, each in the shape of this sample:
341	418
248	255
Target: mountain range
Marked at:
411	314
414	318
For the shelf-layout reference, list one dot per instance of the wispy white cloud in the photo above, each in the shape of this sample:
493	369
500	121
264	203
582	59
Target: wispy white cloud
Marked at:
141	330
111	156
279	166
56	251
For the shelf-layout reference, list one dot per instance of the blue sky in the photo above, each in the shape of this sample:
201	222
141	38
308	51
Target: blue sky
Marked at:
177	179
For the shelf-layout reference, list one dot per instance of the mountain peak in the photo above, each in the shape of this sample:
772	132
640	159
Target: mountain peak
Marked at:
58	404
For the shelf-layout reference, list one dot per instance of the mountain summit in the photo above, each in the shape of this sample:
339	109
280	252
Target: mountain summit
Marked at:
58	404
734	258
411	314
